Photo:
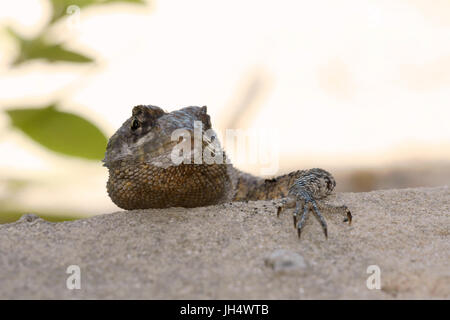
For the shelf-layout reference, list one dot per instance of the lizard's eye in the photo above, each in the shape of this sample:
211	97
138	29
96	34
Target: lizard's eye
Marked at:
135	124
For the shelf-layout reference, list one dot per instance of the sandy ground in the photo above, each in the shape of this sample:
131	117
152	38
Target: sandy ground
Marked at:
237	251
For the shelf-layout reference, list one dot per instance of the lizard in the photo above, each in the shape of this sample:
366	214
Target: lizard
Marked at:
143	174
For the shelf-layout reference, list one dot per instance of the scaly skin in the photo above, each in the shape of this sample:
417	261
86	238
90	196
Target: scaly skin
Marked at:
142	174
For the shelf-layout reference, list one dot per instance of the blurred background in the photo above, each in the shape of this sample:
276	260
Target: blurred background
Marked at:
358	87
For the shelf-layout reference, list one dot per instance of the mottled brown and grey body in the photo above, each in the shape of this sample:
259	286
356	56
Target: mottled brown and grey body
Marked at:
142	173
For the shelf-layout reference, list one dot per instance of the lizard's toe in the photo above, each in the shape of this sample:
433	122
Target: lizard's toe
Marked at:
302	219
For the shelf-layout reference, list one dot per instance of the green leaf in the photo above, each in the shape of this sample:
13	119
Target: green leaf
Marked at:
61	132
38	48
60	6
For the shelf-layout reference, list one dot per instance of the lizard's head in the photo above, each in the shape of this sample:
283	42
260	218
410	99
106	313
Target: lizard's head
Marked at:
147	135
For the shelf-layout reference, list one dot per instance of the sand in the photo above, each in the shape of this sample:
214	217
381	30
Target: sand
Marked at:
237	251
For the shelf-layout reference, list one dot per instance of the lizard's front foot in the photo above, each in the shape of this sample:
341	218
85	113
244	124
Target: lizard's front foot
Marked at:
304	195
304	203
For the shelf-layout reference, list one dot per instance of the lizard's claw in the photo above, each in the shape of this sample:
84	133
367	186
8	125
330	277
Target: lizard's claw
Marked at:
304	203
303	218
305	200
349	216
308	203
279	209
322	221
